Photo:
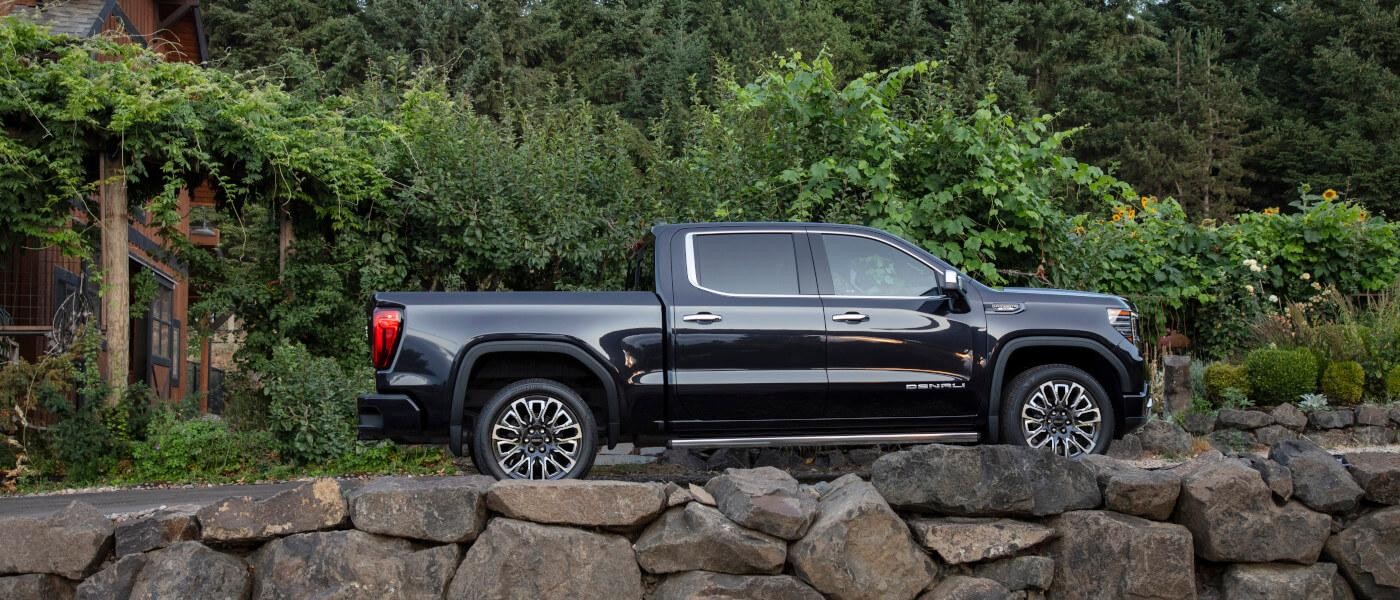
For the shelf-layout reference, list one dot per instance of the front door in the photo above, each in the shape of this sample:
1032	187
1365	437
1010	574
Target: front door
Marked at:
899	352
749	336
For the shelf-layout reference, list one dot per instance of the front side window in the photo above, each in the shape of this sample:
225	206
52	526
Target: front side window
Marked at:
746	263
163	327
862	266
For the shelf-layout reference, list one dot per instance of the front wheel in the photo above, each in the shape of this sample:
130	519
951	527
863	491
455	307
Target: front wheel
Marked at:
1059	407
535	429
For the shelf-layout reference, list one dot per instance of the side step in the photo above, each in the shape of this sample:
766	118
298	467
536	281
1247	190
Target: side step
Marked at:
824	440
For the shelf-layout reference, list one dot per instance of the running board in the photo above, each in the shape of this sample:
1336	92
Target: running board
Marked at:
823	440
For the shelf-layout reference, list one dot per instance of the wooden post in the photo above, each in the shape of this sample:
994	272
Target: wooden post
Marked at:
285	236
116	275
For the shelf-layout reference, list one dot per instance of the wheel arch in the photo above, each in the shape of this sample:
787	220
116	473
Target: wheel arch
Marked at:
1020	354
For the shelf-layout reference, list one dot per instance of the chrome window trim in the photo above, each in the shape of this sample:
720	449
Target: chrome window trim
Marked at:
937	271
693	276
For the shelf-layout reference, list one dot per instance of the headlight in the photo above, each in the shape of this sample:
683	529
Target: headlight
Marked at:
1125	321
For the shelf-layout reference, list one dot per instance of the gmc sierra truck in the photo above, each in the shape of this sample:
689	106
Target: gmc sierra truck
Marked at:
753	334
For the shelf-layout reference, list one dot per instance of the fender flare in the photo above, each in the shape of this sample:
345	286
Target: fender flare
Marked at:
1040	341
464	370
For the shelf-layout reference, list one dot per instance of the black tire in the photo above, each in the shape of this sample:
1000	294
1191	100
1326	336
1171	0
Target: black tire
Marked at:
541	444
1057	430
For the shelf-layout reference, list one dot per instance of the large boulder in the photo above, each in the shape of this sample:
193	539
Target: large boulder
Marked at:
962	587
1101	554
959	540
156	530
1164	438
1233	418
115	581
698	538
516	559
1276	476
1290	416
1019	573
191	570
349	565
702	585
586	503
1273	434
35	587
1232	518
1366	552
1273	581
1319	480
1370	414
1127	489
858	548
71	542
1370	435
765	499
1332	419
984	481
1200	423
311	506
440	509
1379	474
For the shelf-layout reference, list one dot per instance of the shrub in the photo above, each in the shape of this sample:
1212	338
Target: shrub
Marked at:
1221	376
1392	383
1344	381
199	450
1312	402
1278	375
311	404
245	404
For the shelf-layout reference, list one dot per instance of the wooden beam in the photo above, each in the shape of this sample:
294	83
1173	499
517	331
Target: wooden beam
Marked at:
175	16
116	274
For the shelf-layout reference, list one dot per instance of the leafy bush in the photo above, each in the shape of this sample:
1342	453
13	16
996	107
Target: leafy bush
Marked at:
1312	402
1344	381
311	404
200	449
1222	376
245	405
1392	383
1234	398
1278	375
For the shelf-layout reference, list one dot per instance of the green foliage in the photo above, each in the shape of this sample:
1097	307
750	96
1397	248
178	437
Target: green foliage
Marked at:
143	291
1279	375
1344	381
1392	383
1234	398
203	449
1312	402
311	404
245	406
1221	377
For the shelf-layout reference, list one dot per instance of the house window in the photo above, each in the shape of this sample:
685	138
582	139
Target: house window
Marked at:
164	329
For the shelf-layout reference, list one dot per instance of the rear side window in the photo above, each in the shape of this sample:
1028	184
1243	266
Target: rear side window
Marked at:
746	263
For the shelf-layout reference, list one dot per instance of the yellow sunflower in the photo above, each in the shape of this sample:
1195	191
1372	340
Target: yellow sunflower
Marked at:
1272	210
1329	195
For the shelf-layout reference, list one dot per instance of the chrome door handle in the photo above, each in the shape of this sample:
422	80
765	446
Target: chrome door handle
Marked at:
850	317
703	317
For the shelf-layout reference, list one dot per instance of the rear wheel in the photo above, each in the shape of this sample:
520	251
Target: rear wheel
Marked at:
1058	407
535	429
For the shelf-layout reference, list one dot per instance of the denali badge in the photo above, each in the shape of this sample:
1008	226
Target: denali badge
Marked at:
947	385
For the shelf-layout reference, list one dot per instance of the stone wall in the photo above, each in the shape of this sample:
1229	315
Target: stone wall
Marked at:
1235	429
932	522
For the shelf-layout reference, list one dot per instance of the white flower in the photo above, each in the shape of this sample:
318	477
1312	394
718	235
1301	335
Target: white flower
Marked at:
1249	288
1273	298
1316	285
1249	262
1305	276
1256	268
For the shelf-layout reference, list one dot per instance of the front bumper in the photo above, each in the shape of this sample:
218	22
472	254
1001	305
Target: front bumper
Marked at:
1137	408
391	416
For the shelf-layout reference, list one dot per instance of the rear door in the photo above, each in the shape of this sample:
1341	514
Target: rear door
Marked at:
749	337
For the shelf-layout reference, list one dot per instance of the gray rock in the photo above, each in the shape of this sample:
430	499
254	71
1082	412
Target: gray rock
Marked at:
1176	384
959	540
701	585
1276	476
1274	434
439	509
1130	490
1319	480
1272	581
1164	438
1331	438
765	499
683	457
115	581
728	458
157	530
678	496
1379	474
1128	447
1232	518
1370	414
191	570
962	587
858	548
1395	415
1019	573
1290	416
1332	419
985	481
1366	553
864	456
1101	554
1230	418
1370	435
778	458
699	538
350	565
701	495
516	559
35	587
1341	590
71	542
1199	424
836	459
311	506
586	503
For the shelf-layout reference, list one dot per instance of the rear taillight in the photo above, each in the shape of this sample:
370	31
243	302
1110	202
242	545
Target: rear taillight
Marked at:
384	329
1125	321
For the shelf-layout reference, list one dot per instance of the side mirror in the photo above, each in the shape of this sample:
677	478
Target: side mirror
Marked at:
952	283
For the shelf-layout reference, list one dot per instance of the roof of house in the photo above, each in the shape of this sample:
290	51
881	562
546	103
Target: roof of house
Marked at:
73	17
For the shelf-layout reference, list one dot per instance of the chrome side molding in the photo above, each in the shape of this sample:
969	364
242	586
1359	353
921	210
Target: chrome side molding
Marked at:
824	440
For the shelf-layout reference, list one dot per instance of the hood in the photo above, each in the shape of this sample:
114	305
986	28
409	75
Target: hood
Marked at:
1052	295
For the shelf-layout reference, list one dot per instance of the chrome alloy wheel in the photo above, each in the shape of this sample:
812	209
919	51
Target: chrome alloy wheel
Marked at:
1061	414
536	437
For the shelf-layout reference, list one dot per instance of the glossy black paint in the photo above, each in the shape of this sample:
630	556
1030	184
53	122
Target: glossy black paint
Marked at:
772	365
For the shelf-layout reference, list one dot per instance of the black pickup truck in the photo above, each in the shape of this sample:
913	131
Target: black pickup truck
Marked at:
753	334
